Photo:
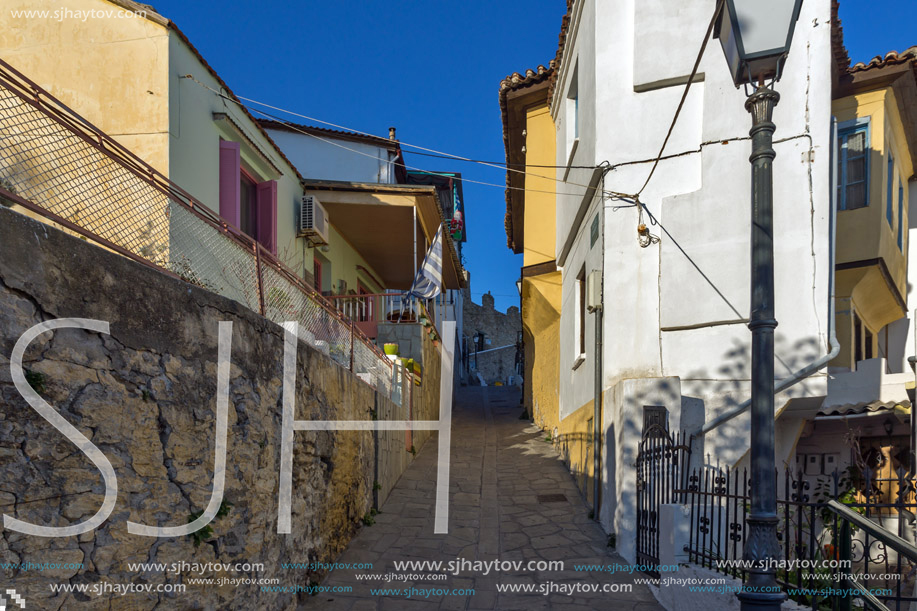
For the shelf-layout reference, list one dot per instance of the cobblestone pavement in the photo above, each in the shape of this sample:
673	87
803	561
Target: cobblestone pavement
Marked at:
500	466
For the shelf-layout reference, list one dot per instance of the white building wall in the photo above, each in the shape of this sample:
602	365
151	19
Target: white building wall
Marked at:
581	52
665	325
327	158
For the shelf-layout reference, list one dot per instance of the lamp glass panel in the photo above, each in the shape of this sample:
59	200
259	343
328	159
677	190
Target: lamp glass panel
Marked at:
763	26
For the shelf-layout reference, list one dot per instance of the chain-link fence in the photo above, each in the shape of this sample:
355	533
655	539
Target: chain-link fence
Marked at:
56	164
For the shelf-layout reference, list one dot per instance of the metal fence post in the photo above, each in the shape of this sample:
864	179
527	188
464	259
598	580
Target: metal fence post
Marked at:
258	278
844	554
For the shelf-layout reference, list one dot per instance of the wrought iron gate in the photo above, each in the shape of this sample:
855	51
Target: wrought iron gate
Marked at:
662	465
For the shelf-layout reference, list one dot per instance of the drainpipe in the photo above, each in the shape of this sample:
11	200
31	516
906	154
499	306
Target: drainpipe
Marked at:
597	399
816	366
597	415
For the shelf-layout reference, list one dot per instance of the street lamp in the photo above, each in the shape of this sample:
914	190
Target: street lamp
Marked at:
756	39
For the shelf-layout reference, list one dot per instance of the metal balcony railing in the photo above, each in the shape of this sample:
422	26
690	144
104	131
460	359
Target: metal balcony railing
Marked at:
369	310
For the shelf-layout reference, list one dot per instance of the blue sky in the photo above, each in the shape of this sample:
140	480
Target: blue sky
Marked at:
432	69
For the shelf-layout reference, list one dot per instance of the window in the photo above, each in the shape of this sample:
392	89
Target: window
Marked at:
576	115
322	270
573	111
317	274
245	203
248	200
889	213
857	340
581	311
901	218
853	170
863	340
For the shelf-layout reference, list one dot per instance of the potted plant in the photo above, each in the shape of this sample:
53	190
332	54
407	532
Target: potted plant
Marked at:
390	349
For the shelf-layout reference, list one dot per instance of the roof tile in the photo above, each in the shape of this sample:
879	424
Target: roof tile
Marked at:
514	82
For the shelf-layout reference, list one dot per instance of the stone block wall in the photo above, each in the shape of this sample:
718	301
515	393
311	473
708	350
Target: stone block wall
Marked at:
408	336
145	395
501	329
420	402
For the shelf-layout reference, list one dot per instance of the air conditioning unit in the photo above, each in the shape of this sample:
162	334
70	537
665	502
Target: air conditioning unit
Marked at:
313	221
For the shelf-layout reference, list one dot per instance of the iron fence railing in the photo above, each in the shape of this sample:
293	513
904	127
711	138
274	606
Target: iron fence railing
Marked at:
378	307
61	167
810	529
661	465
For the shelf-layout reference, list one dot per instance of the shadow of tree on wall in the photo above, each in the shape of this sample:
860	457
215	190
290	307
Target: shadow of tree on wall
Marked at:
708	392
706	396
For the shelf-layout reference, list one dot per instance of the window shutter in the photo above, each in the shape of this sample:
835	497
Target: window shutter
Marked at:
229	182
267	215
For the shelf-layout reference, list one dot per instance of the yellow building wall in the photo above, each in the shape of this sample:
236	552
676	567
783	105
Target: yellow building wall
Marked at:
111	71
344	260
541	336
572	436
864	233
541	306
539	221
574	442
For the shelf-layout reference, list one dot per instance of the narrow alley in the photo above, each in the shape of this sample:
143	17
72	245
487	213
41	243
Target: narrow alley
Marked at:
511	499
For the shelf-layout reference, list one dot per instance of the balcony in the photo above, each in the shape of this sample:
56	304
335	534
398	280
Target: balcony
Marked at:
368	310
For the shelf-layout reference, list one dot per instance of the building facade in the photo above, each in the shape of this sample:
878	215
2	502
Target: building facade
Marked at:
674	270
141	80
865	422
529	137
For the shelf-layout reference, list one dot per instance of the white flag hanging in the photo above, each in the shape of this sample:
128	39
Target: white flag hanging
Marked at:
429	280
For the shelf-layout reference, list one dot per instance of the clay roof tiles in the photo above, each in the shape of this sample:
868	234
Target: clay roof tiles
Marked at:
842	58
889	59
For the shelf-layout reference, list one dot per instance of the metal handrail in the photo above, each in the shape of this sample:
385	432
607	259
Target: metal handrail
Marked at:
879	532
363	295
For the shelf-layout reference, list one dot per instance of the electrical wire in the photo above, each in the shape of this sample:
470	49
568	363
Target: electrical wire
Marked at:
403	165
635	198
528	165
429	150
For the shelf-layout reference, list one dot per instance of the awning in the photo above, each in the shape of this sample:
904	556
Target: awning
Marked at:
902	408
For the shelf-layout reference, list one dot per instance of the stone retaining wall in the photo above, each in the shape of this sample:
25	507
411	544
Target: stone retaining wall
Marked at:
145	395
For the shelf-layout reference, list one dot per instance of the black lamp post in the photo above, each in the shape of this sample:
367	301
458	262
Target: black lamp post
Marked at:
756	38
